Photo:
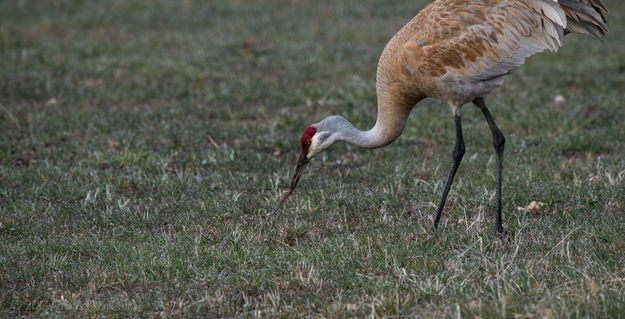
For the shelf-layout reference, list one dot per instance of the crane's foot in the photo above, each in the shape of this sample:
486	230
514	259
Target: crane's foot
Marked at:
504	234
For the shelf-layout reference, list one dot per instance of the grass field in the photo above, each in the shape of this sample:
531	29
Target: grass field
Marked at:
143	143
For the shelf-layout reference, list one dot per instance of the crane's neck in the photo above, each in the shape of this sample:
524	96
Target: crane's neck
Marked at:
393	111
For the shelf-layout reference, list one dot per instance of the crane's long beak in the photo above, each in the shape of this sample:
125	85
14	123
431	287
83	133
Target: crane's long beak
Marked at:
299	169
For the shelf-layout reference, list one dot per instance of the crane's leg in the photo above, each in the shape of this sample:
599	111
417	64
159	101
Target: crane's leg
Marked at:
498	142
457	157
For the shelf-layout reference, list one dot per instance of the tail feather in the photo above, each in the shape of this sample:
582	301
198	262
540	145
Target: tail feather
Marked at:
585	17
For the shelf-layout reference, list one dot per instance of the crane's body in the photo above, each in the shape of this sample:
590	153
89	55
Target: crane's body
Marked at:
457	51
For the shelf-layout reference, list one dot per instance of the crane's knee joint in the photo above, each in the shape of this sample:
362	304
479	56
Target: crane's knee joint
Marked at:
459	153
499	142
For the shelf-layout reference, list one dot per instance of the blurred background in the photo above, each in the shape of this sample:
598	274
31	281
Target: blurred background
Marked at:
143	142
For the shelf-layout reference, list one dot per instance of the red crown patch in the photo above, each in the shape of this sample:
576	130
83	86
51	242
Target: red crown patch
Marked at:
307	137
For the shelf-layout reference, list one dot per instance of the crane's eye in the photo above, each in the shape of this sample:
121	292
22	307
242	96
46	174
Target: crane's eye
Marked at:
308	142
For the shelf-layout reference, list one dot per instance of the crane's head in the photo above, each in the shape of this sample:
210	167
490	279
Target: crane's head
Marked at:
316	138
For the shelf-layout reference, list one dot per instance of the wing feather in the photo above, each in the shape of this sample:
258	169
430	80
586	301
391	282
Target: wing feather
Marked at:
507	33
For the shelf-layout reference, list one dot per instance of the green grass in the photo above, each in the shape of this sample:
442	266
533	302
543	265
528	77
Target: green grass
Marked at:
142	144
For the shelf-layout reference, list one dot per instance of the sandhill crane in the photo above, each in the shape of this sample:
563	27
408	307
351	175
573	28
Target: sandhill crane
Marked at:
457	51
